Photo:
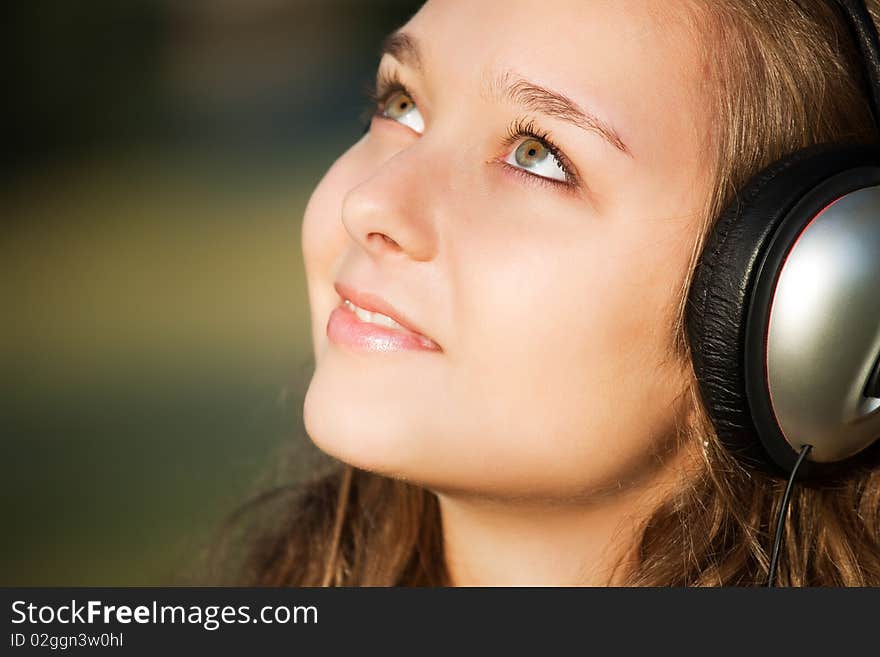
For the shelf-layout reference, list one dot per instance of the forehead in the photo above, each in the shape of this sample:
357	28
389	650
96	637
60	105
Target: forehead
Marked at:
553	30
635	61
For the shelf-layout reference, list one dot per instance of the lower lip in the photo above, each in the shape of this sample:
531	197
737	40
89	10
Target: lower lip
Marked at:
345	328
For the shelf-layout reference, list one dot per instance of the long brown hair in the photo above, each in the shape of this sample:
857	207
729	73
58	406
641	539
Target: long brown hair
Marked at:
780	75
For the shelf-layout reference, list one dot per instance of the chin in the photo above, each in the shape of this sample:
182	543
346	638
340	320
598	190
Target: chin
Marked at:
362	437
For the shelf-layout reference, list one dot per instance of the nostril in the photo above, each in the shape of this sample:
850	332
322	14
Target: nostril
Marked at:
387	239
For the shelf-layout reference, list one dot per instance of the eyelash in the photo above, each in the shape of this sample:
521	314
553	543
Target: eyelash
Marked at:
388	84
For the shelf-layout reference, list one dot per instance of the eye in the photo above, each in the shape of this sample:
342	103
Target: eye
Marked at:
390	98
402	108
535	157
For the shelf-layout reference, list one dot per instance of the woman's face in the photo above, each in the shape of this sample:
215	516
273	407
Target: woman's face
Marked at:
547	279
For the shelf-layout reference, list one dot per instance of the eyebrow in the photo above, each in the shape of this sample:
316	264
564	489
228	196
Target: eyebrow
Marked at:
514	88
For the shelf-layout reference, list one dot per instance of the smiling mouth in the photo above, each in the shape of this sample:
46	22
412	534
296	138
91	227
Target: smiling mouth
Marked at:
372	310
371	331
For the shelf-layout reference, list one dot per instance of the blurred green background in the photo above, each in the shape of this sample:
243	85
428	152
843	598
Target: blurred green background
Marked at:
156	348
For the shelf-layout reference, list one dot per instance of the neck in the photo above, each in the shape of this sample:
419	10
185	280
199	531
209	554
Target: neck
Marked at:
489	542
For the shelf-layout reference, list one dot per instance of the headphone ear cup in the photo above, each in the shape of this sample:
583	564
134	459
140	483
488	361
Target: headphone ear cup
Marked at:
722	289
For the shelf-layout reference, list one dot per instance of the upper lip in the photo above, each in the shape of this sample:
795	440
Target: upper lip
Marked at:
375	303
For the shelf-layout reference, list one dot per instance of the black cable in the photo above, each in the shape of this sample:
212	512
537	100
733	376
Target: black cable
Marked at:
780	521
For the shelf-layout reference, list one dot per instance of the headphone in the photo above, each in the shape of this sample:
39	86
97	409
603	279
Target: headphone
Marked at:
783	313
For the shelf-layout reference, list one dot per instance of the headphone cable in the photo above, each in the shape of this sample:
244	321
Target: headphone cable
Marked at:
780	522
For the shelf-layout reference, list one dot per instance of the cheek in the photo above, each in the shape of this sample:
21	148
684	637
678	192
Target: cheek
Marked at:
562	361
550	299
323	238
323	234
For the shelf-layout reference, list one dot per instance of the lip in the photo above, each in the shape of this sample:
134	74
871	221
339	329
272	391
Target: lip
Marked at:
345	327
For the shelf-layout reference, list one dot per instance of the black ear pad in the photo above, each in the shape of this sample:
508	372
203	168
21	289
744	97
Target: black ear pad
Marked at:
721	293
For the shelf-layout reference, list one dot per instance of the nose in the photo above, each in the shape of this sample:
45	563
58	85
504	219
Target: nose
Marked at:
390	213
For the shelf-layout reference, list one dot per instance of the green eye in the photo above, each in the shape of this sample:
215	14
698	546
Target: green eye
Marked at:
533	156
530	153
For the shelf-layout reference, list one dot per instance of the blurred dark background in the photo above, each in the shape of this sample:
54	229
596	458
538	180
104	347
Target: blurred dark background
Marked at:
158	157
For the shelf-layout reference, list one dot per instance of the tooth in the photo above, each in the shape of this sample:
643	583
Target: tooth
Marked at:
373	318
384	320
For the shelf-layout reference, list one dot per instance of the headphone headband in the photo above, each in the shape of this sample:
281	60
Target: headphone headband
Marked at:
864	34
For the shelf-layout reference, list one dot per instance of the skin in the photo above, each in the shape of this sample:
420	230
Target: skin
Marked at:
544	425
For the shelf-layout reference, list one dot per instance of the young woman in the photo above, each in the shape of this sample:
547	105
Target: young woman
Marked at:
529	203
